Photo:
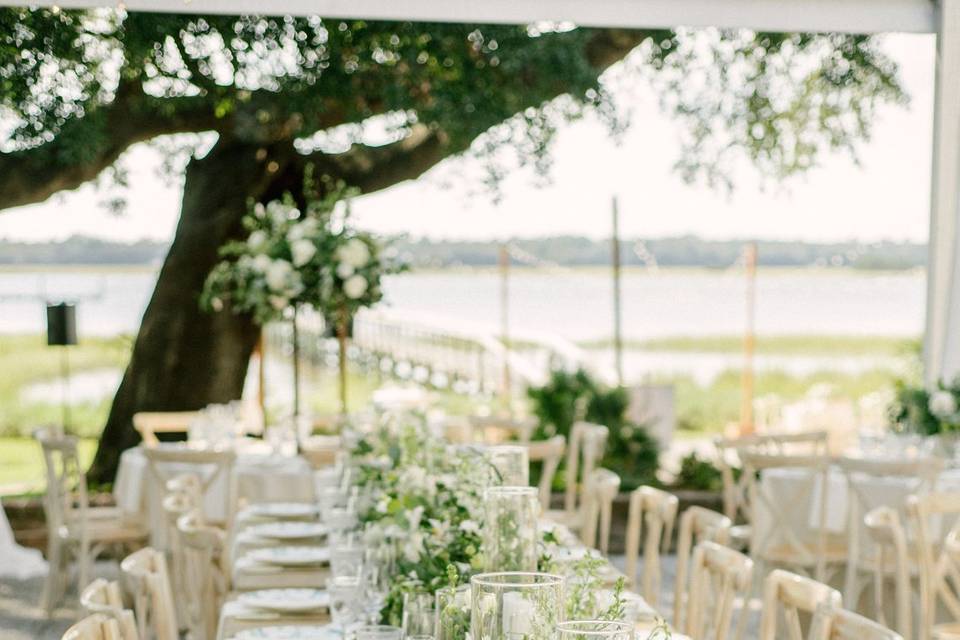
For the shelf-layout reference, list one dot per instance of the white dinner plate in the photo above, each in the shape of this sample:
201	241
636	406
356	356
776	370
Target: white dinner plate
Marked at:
289	530
283	510
291	556
286	600
288	632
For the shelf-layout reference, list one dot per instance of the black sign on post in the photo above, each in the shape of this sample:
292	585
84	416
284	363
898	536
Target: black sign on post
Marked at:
62	332
61	324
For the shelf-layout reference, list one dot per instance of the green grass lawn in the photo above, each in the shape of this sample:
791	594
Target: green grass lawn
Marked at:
26	359
21	464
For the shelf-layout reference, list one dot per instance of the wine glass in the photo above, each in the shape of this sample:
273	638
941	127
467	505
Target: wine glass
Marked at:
418	614
376	588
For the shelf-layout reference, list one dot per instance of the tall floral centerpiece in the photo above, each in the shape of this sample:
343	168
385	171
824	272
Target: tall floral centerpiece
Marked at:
300	255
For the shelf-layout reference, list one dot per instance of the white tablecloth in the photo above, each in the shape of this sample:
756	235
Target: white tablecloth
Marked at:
802	510
259	477
16	561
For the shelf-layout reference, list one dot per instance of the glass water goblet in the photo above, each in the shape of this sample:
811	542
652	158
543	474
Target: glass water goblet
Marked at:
344	592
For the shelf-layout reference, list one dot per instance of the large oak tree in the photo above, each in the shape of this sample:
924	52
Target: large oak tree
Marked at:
78	88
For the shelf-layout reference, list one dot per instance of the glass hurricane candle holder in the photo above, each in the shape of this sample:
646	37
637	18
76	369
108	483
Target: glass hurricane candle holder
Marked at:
453	613
512	463
595	630
510	528
516	606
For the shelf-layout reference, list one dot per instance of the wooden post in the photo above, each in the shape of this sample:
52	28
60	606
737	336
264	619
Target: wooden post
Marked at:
617	328
746	377
342	344
505	319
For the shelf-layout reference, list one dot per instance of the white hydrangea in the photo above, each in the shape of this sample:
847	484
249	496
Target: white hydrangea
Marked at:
305	229
302	252
355	286
942	404
278	275
258	240
355	253
261	263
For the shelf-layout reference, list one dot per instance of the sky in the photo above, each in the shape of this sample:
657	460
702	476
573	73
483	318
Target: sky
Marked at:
885	197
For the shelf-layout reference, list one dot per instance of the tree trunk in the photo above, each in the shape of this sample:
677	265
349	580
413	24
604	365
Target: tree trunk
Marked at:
184	357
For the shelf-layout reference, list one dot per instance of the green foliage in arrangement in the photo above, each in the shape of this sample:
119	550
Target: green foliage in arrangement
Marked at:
568	396
927	412
698	474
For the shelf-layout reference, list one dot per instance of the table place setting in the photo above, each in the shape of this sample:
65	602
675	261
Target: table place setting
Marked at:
289	530
280	511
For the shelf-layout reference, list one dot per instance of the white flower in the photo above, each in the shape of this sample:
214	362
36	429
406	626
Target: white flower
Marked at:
304	229
942	404
281	213
257	240
302	251
259	210
355	286
469	526
216	304
261	263
279	302
345	270
355	253
278	274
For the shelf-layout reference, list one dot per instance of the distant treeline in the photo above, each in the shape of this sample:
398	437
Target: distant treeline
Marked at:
685	251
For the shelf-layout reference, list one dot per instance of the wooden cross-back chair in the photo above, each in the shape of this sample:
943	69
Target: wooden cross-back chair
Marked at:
146	574
149	423
549	453
697	525
104	597
652	513
585	451
938	560
74	528
719	576
786	542
183	496
840	624
206	579
790	595
600	490
95	627
208	465
885	529
898	479
736	499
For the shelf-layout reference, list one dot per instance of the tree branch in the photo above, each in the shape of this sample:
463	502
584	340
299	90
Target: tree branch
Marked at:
76	155
373	168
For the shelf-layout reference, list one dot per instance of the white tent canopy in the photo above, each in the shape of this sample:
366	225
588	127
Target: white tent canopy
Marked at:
942	17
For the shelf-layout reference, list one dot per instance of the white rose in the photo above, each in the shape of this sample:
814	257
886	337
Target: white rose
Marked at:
261	263
942	404
344	270
259	210
216	304
277	274
355	287
302	251
469	526
257	239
